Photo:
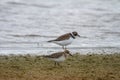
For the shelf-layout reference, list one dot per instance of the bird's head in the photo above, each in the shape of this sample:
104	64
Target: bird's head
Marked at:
67	52
75	34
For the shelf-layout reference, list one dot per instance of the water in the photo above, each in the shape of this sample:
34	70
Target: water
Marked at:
26	25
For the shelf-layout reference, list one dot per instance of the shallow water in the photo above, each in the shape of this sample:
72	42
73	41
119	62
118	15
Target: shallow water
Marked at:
26	25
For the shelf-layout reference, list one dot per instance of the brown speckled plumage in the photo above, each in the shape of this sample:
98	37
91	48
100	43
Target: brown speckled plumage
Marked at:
58	54
62	37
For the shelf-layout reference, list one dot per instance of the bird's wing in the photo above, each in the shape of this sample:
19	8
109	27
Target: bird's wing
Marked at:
54	55
63	37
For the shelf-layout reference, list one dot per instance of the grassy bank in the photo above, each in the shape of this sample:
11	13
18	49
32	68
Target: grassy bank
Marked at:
78	67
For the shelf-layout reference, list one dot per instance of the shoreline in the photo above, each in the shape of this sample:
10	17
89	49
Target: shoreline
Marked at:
48	50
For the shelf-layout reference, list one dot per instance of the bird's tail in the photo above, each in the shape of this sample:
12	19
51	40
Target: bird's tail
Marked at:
45	56
50	41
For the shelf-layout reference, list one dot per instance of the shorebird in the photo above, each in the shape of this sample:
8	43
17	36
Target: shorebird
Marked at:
58	56
65	39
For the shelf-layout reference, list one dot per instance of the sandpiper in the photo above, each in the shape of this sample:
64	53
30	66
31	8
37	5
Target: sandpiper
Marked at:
58	56
65	39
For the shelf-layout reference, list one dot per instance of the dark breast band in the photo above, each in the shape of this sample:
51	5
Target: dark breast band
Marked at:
72	36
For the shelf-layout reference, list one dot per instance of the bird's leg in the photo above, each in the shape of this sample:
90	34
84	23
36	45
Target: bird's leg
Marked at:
55	63
58	64
63	47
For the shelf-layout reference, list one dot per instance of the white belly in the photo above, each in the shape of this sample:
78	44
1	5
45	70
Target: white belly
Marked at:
64	42
60	59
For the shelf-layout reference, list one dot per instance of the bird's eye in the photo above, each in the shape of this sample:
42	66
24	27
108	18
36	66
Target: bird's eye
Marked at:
75	34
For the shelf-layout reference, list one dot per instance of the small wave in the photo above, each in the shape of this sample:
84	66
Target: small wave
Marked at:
32	35
113	33
42	5
16	3
34	5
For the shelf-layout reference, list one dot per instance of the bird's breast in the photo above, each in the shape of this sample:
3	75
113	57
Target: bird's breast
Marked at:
59	59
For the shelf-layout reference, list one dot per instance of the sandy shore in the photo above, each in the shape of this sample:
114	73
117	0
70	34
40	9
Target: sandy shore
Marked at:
78	67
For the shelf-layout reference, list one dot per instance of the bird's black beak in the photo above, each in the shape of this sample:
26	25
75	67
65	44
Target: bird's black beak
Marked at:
70	54
79	36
